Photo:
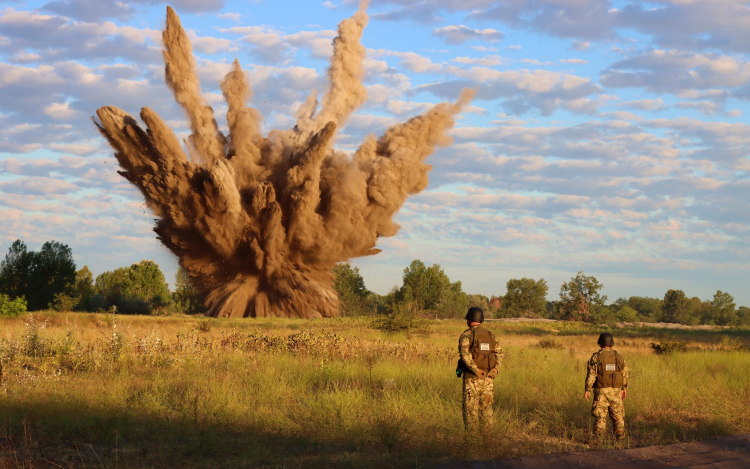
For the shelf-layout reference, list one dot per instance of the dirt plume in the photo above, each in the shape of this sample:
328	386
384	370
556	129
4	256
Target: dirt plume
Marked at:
259	221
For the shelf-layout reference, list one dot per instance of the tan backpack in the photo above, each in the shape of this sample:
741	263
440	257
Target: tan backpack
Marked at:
609	372
482	351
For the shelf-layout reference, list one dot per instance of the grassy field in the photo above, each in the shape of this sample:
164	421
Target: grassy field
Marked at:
88	390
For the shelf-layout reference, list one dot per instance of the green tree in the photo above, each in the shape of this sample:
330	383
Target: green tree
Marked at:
525	297
84	288
743	316
676	307
11	307
109	285
355	299
15	270
479	301
723	308
145	281
580	298
53	272
38	276
138	289
649	309
186	296
626	314
429	292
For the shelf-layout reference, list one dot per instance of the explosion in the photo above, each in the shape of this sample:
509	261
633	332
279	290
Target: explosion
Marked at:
259	221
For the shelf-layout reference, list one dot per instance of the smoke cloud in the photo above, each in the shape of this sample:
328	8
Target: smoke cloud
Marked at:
259	221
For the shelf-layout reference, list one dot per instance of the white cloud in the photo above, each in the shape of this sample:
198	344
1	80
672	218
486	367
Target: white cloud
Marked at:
458	34
574	61
581	45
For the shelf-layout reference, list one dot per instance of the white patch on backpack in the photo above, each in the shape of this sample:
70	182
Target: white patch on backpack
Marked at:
484	346
611	368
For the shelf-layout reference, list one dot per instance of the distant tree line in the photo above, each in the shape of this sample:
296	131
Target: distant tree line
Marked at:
428	292
48	279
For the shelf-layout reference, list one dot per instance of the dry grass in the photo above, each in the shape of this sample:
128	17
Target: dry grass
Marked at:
87	390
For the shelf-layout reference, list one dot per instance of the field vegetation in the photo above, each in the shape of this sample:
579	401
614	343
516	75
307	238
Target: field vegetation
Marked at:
104	390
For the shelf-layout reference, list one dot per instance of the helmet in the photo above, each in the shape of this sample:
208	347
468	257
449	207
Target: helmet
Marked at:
475	315
606	340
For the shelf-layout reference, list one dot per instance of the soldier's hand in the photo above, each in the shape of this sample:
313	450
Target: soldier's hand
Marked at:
481	373
492	373
587	394
624	393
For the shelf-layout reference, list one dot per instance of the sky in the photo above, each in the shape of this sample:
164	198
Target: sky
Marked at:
606	136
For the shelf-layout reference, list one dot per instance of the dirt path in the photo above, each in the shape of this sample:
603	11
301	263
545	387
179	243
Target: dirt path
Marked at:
731	452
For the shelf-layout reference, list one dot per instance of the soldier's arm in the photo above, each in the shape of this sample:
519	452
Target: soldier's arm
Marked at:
591	369
625	375
499	355
464	342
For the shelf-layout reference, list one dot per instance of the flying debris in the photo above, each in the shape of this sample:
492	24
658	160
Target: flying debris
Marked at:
259	221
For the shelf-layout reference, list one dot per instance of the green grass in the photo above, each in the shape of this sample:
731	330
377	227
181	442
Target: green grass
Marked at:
91	391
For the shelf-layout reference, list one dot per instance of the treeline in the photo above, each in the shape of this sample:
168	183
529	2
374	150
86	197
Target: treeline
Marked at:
49	279
428	292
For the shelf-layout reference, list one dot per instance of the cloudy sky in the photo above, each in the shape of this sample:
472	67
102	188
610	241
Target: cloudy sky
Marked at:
606	136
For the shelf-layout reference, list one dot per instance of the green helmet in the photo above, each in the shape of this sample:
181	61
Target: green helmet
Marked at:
475	315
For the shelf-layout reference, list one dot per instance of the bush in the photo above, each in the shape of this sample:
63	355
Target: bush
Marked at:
668	346
64	302
627	314
97	302
397	322
133	306
11	308
550	344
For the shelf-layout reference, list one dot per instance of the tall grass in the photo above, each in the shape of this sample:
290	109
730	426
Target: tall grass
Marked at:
166	392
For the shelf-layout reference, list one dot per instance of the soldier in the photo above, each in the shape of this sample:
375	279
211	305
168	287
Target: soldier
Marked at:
481	357
607	375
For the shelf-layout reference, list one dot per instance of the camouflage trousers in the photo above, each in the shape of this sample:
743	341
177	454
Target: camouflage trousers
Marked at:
608	401
478	397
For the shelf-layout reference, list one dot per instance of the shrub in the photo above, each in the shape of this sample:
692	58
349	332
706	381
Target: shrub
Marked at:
550	344
97	302
204	326
11	308
668	346
729	342
396	322
64	302
133	306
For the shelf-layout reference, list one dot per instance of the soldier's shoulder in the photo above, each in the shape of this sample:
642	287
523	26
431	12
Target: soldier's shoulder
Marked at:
595	357
466	333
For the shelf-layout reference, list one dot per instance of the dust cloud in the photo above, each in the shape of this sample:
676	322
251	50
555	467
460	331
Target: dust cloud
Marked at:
259	221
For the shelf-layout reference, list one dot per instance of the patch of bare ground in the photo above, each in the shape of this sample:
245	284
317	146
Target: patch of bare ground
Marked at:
730	452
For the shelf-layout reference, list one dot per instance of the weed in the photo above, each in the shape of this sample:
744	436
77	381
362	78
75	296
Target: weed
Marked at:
667	346
34	344
548	343
204	326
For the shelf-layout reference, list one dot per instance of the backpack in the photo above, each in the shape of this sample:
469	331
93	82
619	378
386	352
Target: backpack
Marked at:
482	350
609	369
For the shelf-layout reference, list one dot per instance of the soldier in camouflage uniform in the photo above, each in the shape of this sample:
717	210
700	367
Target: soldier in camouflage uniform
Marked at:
481	357
607	376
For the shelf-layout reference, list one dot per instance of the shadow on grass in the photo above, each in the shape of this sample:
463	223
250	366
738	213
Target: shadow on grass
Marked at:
57	436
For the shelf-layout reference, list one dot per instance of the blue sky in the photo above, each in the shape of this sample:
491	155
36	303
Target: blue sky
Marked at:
608	137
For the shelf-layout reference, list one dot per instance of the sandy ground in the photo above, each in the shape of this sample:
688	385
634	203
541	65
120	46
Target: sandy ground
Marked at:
731	452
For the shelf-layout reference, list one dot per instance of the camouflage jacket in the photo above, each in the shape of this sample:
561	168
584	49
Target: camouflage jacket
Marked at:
464	344
592	368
